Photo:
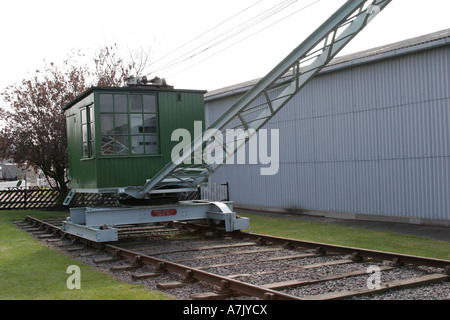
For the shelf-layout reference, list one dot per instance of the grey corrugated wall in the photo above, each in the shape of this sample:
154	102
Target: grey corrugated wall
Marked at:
367	139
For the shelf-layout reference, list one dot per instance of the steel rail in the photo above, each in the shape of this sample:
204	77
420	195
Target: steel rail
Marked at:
356	252
223	282
226	284
229	285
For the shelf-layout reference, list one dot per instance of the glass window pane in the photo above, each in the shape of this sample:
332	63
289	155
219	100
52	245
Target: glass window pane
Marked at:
136	103
91	145
85	150
91	114
149	123
151	144
149	103
122	145
107	145
137	144
121	124
83	116
91	134
106	103
120	103
136	123
106	124
84	133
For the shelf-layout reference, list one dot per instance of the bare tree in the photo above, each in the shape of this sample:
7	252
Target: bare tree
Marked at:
34	124
140	59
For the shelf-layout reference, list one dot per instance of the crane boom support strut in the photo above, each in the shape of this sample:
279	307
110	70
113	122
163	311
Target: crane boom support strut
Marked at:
263	101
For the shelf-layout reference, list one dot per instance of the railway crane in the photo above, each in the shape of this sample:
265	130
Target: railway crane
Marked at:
187	170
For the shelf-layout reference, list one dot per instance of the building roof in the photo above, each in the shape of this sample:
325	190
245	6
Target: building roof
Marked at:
425	42
144	88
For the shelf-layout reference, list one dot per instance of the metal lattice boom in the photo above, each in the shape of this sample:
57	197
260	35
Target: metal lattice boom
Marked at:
263	101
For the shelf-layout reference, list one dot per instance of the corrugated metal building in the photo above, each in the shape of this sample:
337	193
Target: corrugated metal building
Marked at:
368	138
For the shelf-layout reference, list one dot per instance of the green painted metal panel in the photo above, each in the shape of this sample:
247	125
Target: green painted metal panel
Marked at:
175	109
83	172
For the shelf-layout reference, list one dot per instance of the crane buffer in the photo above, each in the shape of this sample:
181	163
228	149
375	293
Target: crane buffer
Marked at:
250	113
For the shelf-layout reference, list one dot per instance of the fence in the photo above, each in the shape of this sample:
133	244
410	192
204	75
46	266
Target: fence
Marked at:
216	192
35	198
29	198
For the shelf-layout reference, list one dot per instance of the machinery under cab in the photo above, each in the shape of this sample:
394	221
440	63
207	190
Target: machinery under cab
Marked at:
121	144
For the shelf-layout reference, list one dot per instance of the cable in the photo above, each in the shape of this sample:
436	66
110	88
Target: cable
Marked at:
241	28
265	15
278	21
206	32
246	25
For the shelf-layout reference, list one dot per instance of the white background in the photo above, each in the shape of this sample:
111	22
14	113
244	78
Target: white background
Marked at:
33	31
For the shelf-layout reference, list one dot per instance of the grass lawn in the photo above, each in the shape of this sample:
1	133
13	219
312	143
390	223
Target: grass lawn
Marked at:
31	271
346	236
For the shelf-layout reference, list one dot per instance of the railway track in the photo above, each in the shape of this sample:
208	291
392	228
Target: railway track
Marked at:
251	266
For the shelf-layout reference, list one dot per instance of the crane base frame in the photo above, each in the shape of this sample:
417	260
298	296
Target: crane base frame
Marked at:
97	224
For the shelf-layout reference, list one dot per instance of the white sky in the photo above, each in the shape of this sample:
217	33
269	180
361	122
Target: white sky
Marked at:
32	31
